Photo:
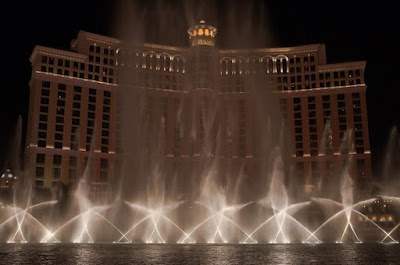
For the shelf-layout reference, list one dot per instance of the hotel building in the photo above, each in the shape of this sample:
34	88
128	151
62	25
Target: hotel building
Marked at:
201	97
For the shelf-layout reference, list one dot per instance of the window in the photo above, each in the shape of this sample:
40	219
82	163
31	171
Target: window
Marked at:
299	145
39	172
58	136
103	163
43	117
325	98
62	86
42	135
59	119
46	84
340	97
59	128
57	160
73	161
60	111
104	149
90	123
56	173
42	126
77	89
44	109
44	101
40	158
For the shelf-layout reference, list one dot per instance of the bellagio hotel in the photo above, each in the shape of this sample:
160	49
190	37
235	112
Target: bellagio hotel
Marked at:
73	111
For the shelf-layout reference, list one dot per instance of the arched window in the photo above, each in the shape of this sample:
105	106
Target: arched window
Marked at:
282	64
226	65
253	64
178	63
267	64
120	57
165	62
240	63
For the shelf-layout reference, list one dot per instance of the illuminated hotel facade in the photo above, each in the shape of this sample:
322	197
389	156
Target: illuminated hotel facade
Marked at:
201	94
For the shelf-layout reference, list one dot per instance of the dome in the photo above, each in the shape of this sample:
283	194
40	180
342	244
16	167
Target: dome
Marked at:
202	34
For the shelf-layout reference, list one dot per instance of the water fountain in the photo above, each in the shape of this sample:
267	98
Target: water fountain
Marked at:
219	208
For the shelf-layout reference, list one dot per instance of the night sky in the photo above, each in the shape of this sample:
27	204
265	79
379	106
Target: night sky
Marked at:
351	31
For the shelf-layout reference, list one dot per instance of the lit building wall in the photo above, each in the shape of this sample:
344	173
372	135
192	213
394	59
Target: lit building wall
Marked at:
201	95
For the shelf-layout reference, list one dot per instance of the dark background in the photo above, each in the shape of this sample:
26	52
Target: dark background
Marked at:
351	31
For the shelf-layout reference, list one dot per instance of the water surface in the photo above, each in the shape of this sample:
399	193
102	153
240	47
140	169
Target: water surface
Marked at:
199	254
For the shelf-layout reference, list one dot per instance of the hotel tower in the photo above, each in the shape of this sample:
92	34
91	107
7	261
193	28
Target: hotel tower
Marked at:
202	98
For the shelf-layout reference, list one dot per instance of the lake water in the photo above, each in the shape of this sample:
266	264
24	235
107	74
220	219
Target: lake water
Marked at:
325	254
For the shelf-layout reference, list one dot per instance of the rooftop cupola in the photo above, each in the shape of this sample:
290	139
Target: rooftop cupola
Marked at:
202	34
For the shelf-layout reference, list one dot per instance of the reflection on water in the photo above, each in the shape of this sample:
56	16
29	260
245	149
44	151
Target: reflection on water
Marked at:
326	254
